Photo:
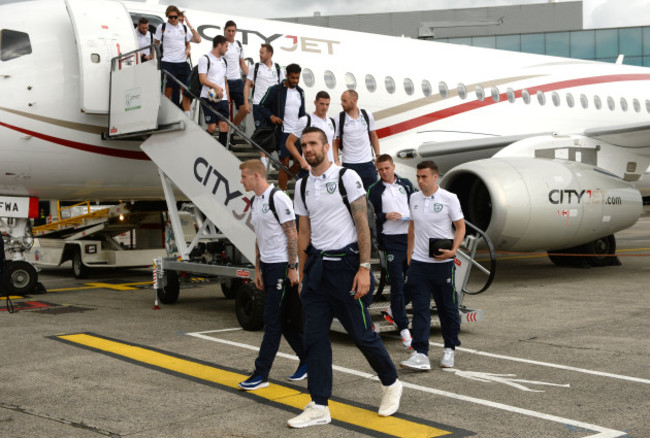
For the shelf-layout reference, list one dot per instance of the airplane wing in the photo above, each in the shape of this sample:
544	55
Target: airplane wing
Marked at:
634	135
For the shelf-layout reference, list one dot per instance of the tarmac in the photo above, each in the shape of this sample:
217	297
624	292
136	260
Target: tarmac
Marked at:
562	352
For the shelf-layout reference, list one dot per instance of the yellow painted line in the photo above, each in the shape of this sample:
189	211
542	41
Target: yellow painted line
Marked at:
12	297
277	393
123	286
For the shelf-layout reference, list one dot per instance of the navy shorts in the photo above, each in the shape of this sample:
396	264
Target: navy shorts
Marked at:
221	107
283	152
177	69
236	91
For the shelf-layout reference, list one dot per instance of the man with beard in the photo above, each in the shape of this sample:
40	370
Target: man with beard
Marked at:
334	264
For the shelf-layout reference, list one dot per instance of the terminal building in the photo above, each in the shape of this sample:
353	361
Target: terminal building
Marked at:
547	28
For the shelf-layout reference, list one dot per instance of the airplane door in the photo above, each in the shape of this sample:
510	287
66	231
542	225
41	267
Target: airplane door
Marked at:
103	29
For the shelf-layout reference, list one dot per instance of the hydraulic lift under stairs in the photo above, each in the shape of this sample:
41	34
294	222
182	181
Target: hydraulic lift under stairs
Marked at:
193	163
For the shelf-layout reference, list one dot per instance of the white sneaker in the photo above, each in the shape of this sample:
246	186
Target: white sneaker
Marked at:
447	358
417	361
311	416
390	397
406	338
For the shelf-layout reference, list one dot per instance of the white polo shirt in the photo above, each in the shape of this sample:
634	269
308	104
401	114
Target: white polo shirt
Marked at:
271	238
266	77
233	55
332	226
291	111
143	41
356	142
216	74
433	217
395	199
324	124
174	42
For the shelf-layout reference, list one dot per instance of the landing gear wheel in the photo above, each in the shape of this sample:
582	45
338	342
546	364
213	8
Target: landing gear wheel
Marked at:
21	277
230	286
169	293
603	251
249	306
79	270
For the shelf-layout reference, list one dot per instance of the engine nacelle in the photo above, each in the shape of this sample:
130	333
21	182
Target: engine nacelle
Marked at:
528	204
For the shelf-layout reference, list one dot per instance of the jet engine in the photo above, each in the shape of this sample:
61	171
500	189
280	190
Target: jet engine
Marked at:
529	204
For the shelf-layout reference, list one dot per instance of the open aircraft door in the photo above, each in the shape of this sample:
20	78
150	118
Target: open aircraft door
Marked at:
103	29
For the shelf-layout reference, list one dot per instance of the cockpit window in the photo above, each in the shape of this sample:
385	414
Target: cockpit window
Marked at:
14	44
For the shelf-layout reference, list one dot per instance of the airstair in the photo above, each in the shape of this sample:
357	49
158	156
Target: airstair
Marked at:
192	163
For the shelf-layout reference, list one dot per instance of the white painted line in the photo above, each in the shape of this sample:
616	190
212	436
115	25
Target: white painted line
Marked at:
602	431
234	329
547	364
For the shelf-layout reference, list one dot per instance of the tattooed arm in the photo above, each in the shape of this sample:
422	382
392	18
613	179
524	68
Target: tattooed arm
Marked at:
360	216
289	228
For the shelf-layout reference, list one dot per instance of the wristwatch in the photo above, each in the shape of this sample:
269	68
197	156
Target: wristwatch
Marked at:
365	265
292	266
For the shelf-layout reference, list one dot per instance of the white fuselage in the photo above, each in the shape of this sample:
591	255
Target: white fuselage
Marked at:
49	148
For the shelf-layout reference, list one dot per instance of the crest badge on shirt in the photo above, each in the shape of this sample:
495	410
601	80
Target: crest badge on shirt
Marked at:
265	208
401	190
331	186
437	208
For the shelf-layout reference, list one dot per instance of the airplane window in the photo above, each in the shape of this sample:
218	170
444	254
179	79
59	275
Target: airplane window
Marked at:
426	88
584	101
541	97
597	102
390	84
637	105
462	91
610	103
443	89
371	83
623	104
525	95
408	86
14	44
555	98
350	81
330	79
308	77
495	94
480	93
570	100
647	105
511	95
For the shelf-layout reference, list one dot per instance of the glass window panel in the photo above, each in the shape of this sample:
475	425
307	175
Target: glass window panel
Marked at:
443	89
488	42
606	43
426	87
583	45
390	84
534	43
557	44
610	103
637	105
597	102
584	101
480	93
525	95
646	61
623	104
541	97
633	60
462	91
408	86
555	98
570	100
371	83
646	40
308	77
510	93
350	81
467	41
330	79
647	105
14	44
496	96
631	41
509	42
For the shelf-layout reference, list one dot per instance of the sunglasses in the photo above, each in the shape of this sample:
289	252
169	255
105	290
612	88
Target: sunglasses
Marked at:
173	17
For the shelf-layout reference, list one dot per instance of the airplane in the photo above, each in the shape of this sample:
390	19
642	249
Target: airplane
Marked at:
544	152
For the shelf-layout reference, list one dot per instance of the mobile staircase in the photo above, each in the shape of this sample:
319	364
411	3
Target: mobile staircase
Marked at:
193	165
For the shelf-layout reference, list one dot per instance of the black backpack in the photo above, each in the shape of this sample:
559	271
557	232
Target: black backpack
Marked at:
274	190
342	124
195	84
309	122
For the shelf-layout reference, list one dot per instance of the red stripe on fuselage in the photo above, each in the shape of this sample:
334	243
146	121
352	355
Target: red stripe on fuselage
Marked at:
132	155
469	106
